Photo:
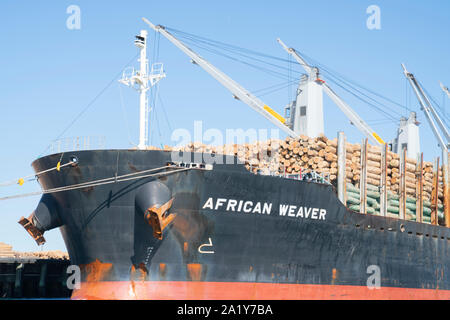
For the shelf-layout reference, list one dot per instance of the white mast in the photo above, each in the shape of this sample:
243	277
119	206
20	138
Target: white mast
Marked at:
143	100
142	81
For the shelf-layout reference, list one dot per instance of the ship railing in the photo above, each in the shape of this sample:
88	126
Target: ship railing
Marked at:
191	165
77	144
309	175
303	174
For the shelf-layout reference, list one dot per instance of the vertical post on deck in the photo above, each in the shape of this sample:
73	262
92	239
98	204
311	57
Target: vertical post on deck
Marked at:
363	179
341	163
43	279
18	281
435	194
402	202
419	188
383	182
445	177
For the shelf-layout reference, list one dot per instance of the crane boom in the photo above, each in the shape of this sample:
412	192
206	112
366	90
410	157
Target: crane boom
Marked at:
237	90
426	107
432	110
354	118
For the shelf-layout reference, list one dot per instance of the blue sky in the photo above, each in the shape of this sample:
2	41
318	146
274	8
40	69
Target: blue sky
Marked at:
50	73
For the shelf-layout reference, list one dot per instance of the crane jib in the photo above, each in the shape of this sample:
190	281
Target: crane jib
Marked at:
237	90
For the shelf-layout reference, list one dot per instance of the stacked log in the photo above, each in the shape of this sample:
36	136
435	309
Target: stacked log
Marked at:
354	199
305	154
53	254
260	156
350	170
6	250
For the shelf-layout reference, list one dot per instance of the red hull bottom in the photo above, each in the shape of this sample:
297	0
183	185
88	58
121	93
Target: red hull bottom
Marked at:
192	290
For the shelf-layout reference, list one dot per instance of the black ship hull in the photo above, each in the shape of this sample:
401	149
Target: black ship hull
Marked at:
225	233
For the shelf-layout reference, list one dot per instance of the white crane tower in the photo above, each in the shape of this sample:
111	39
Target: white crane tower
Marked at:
142	80
315	109
408	136
305	114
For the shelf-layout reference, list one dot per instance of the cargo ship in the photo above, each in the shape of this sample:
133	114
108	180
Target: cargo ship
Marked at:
143	224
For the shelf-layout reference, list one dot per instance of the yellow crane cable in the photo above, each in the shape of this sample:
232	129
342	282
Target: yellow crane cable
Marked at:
22	180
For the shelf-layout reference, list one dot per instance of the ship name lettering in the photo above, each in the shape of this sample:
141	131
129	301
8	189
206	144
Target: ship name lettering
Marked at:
248	207
302	212
233	205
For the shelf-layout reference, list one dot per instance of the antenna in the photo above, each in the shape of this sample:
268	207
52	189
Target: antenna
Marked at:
142	80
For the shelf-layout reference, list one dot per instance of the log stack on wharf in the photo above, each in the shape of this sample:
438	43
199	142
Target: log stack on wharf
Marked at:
31	275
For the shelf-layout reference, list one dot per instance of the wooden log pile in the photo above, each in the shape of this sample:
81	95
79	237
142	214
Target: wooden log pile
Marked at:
393	204
304	154
293	156
6	250
393	172
53	254
260	156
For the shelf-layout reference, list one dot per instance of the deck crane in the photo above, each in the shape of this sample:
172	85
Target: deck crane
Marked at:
445	89
429	114
345	108
237	90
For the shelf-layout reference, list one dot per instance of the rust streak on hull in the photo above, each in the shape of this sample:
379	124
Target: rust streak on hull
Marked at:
194	271
96	271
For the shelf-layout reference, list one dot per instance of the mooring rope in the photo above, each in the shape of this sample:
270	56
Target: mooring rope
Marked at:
99	182
21	181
